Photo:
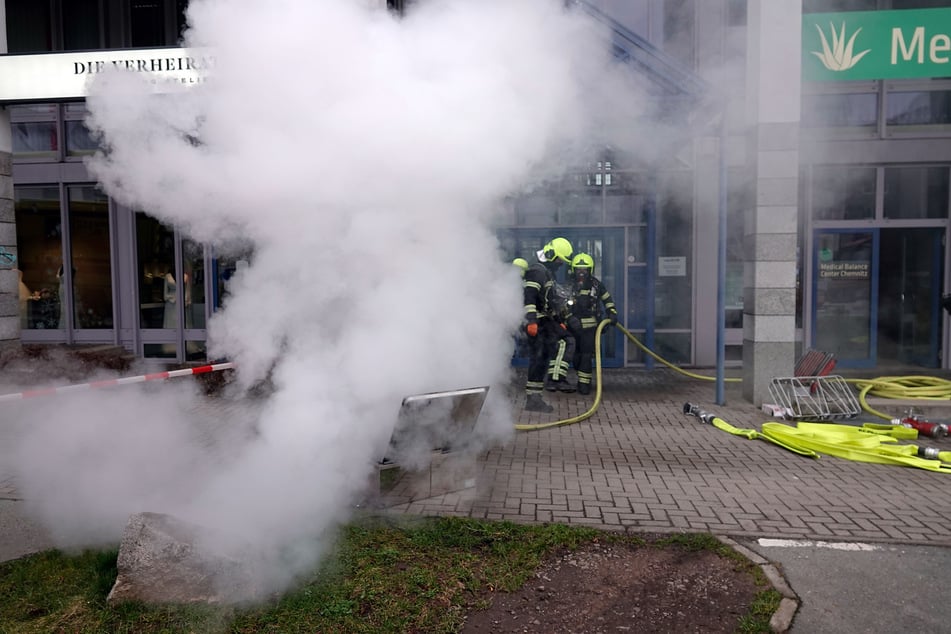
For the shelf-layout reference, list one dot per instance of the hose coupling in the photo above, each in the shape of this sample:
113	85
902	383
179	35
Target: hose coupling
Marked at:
930	453
693	410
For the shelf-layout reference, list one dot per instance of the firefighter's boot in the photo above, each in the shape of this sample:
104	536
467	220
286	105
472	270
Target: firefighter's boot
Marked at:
535	403
584	388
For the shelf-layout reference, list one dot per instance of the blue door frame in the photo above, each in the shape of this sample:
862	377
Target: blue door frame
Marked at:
610	270
820	267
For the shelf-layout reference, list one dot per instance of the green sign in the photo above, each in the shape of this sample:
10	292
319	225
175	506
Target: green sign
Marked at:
876	45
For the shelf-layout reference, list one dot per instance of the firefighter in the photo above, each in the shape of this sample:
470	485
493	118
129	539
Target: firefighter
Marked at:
587	297
545	330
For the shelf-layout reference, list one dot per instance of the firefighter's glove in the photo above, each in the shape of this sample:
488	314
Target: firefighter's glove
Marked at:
531	330
613	318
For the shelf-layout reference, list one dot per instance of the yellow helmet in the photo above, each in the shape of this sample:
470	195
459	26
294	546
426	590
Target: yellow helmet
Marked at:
557	249
521	263
583	261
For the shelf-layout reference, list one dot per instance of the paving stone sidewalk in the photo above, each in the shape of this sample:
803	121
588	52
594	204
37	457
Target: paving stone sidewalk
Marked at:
640	464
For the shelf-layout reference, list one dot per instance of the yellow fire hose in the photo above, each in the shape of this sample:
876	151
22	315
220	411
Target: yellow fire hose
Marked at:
873	444
597	374
926	388
893	387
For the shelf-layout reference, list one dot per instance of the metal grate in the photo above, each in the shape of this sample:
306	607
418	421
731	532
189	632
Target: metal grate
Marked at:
815	397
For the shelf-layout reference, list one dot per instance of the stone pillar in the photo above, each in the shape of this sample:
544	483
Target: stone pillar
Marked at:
773	87
9	286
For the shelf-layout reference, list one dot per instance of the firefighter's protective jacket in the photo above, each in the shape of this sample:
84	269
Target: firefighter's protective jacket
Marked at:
538	291
587	301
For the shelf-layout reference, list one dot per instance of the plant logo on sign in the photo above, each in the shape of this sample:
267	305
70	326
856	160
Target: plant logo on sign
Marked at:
839	56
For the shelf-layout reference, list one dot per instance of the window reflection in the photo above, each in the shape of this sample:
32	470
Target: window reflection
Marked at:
92	265
849	110
156	267
79	142
625	200
40	256
843	193
35	139
193	290
919	108
673	281
916	192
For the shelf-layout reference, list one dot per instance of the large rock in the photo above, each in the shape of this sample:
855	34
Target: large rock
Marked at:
163	559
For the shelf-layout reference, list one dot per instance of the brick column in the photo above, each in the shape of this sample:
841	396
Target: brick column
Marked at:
773	104
9	287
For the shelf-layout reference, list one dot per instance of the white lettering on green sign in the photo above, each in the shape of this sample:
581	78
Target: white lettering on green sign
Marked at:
939	43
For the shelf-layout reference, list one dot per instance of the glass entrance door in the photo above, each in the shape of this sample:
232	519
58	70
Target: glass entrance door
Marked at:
845	295
877	296
171	292
910	285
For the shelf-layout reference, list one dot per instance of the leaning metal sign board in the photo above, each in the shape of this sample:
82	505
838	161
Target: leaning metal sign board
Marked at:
55	76
862	45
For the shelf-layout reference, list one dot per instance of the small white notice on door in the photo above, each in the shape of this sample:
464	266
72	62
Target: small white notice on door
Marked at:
672	266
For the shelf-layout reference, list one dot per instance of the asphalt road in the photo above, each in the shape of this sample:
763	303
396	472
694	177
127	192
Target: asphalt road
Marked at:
861	588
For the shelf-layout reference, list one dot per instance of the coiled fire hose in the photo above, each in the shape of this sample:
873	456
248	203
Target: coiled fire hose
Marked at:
860	444
597	375
926	388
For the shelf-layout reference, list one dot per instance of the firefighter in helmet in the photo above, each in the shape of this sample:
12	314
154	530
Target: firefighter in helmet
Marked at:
543	323
587	297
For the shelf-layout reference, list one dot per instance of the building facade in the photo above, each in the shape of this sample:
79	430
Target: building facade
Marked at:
835	195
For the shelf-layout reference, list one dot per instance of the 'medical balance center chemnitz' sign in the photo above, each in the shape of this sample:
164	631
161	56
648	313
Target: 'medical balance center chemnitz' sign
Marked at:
876	45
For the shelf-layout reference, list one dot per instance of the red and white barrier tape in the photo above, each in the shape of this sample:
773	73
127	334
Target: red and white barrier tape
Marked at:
123	381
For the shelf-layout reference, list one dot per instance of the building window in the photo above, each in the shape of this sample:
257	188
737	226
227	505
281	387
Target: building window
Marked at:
82	28
35	133
918	108
916	192
147	22
674	271
736	12
91	257
79	142
679	29
834	6
843	193
40	249
29	27
840	110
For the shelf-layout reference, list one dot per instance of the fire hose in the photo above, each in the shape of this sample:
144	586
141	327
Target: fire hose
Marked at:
597	373
859	444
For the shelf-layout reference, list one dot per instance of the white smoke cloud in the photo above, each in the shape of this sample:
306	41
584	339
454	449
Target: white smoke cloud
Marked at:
362	155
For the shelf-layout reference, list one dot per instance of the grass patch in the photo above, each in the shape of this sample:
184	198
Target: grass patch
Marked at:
385	575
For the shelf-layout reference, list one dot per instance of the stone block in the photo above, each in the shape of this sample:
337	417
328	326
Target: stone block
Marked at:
775	219
777	192
770	301
778	274
8	237
9	305
772	246
10	327
777	136
778	164
769	328
163	559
